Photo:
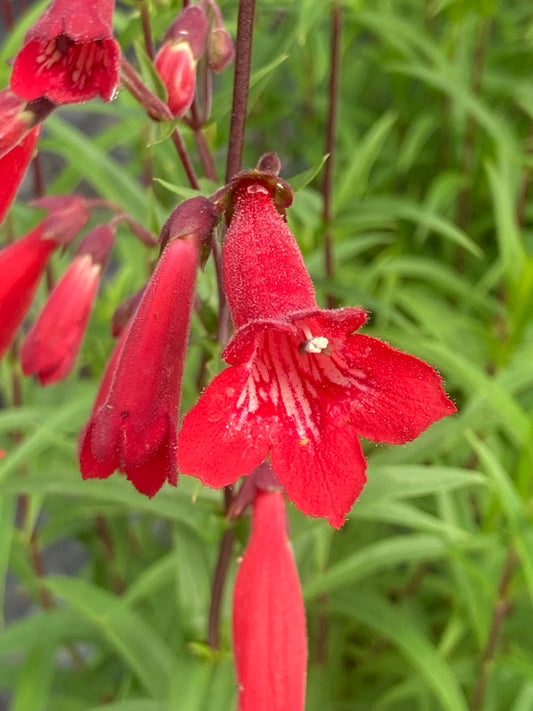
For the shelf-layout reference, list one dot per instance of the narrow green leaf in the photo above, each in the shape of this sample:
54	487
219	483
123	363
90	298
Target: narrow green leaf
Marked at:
132	638
7	522
395	624
378	556
35	679
110	179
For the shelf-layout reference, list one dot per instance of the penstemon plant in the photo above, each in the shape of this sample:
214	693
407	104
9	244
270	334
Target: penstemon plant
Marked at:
229	390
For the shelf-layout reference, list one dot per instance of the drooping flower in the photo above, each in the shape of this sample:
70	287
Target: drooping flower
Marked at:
19	129
269	635
133	424
69	54
302	385
22	263
52	344
176	61
14	164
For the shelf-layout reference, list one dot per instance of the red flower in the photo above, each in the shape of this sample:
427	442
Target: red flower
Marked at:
51	346
176	61
22	263
303	385
133	424
14	164
15	121
269	634
69	55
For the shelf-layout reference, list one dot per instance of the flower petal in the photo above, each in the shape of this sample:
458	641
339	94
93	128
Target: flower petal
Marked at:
322	475
219	442
393	396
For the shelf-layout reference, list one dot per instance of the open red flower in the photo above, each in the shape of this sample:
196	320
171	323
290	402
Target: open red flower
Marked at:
303	385
269	636
52	344
133	424
69	54
22	263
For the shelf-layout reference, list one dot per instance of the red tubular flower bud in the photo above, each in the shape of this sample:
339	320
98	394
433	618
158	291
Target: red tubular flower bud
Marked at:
53	343
176	61
133	424
176	66
22	263
69	55
269	635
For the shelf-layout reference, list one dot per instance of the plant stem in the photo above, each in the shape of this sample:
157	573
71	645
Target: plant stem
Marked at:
499	613
463	204
327	188
160	112
147	30
221	570
7	14
241	84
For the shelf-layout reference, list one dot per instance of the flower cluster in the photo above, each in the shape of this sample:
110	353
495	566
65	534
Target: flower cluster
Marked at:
302	385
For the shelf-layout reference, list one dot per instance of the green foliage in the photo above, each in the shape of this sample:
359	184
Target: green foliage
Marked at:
427	591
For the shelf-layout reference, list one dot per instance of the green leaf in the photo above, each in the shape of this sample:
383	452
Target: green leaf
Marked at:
395	624
381	555
7	522
110	179
126	632
35	679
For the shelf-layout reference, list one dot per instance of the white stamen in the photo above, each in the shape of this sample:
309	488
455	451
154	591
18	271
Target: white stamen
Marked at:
316	344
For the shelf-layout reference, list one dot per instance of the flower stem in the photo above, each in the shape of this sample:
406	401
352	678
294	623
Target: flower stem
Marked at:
7	14
147	30
241	84
499	613
160	112
221	570
327	188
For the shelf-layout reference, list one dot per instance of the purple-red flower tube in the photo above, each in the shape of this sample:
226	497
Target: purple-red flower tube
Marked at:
52	344
269	635
69	54
133	424
302	385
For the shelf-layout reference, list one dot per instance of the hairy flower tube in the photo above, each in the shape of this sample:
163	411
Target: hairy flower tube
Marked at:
133	424
269	635
69	54
302	385
22	263
176	61
52	344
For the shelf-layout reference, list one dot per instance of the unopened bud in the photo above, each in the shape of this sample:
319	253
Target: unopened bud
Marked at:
220	51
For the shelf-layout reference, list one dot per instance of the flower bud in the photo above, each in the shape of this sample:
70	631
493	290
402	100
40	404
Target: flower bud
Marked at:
269	634
176	61
53	343
220	51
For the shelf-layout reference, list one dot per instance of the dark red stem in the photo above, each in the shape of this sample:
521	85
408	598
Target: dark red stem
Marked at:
241	83
499	613
147	30
331	131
